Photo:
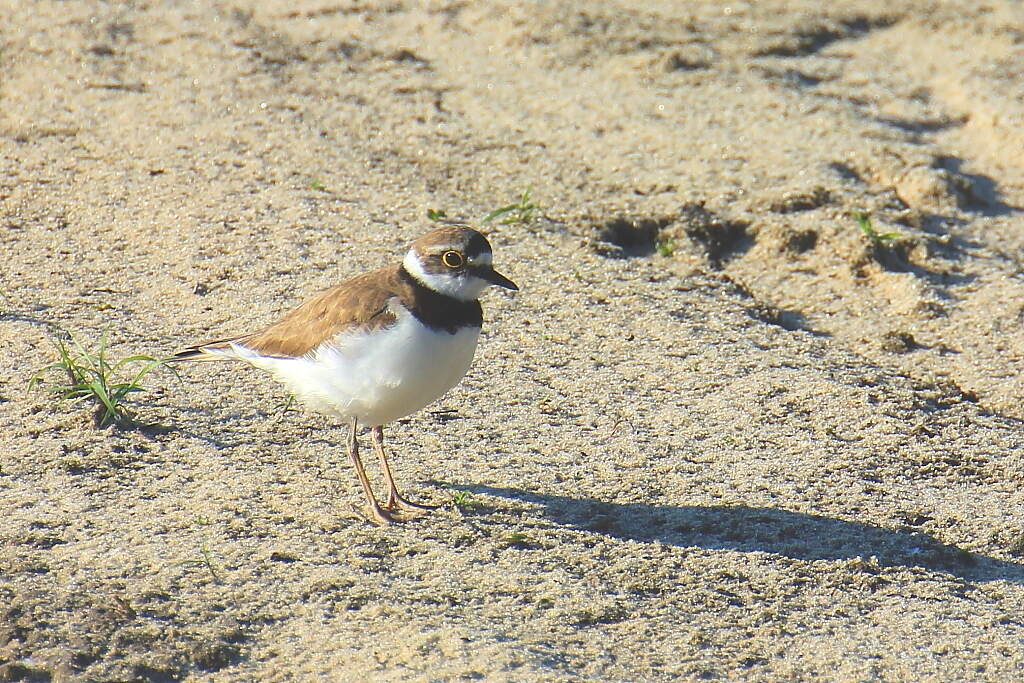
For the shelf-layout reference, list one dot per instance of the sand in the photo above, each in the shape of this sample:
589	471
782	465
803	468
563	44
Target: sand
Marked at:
720	433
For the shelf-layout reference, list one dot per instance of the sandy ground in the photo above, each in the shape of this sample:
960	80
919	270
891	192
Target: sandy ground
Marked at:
720	433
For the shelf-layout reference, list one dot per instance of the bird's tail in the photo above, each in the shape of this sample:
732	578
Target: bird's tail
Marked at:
222	349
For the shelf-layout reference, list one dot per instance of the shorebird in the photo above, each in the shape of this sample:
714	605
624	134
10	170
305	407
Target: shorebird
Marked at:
380	346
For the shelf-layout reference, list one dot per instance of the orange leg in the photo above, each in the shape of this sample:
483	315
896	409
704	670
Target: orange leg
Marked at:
377	514
395	500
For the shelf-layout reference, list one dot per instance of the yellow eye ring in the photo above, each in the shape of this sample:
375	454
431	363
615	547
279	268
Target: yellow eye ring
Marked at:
452	259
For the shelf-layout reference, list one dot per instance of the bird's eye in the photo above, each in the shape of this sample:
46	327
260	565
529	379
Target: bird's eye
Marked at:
452	259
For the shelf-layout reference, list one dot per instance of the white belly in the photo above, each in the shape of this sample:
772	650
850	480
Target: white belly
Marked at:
375	377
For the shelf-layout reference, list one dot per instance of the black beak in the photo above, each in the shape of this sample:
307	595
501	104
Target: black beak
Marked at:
496	278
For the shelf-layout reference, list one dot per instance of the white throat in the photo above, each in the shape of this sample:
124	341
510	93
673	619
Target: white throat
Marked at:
462	287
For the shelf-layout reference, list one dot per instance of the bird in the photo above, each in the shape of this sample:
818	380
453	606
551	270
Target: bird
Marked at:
380	346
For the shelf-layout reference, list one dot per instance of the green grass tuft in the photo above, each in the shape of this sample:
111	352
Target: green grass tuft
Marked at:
89	375
522	212
285	404
205	559
666	247
879	239
464	501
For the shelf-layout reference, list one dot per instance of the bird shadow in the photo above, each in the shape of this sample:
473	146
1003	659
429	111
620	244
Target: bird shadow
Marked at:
744	528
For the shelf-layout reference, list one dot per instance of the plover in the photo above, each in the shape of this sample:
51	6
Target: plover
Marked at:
380	346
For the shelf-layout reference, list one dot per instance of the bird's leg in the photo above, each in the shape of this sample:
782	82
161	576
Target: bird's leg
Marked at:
377	515
395	499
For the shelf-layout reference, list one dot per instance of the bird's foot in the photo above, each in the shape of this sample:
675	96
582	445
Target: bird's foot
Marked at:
376	514
394	511
399	506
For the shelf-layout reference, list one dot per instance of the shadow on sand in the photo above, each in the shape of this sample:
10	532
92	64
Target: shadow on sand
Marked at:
743	528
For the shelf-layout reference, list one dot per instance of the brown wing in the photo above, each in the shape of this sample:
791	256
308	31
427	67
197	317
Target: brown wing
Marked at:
358	304
361	303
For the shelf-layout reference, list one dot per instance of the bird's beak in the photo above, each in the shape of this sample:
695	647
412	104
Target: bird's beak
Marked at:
496	278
